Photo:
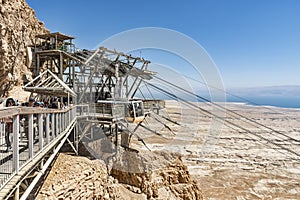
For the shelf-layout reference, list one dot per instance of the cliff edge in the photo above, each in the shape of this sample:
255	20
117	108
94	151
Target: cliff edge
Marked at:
18	28
77	177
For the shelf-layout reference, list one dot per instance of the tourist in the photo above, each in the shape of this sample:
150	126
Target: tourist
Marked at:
55	103
9	124
30	103
46	104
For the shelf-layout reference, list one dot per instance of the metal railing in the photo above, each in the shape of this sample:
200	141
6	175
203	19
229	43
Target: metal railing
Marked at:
102	109
30	131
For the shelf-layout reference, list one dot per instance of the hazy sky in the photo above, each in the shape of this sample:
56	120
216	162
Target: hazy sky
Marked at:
252	42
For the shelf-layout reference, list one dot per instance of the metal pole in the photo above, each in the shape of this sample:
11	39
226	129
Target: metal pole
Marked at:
47	128
70	116
41	131
73	76
37	70
53	125
56	41
76	137
68	99
61	122
17	193
56	124
16	143
30	135
117	95
60	66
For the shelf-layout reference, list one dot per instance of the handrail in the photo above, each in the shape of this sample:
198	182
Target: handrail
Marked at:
23	110
39	128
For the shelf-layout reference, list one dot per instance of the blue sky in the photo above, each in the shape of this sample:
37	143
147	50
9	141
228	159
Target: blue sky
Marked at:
253	42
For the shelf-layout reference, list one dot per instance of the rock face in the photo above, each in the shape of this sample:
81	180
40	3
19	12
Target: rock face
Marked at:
79	178
76	177
157	174
18	27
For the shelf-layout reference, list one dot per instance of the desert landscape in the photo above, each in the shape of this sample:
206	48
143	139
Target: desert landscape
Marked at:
241	152
240	166
234	166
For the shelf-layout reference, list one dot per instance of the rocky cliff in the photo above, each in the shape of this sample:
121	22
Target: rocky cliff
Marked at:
76	177
157	174
18	27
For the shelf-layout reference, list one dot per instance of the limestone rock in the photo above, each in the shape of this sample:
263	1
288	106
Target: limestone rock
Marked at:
18	27
158	174
77	177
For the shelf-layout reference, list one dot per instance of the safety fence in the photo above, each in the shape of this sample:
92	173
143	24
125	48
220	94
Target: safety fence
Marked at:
25	132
